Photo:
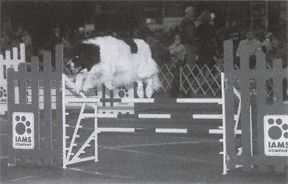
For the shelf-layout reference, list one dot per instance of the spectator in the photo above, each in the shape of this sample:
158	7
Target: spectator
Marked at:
267	43
207	44
4	41
40	54
187	33
251	45
279	49
54	39
15	37
66	41
178	52
234	35
27	40
159	51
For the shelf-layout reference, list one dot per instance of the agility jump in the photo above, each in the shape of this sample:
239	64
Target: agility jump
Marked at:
231	158
72	158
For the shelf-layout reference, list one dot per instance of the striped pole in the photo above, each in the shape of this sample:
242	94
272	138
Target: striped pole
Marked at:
199	100
64	133
224	136
133	130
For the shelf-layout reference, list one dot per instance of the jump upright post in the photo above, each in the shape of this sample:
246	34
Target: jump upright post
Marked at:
264	138
35	134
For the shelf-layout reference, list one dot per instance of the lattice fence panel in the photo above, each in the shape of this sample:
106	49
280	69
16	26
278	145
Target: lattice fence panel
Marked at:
167	76
201	80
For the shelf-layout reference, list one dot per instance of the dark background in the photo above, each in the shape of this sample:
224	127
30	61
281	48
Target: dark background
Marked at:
39	17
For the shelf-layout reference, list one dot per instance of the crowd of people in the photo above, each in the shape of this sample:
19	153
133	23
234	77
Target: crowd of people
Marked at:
10	39
203	43
194	41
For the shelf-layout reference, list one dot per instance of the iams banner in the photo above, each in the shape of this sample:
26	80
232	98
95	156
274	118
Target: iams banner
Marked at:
276	135
23	130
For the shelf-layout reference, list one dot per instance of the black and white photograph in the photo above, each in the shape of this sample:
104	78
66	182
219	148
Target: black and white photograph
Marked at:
142	91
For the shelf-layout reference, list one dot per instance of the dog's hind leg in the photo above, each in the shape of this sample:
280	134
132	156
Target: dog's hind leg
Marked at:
140	90
149	88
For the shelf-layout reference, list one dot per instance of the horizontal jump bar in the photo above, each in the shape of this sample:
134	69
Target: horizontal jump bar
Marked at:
140	116
132	130
170	130
209	116
155	116
97	100
82	100
141	100
152	116
91	115
220	131
199	100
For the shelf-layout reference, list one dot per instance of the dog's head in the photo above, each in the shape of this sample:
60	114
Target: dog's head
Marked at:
83	56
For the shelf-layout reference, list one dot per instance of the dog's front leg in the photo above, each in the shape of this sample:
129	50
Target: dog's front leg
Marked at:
79	81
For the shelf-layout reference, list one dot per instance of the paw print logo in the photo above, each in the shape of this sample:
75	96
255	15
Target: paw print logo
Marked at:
277	129
23	125
123	92
23	130
3	94
275	135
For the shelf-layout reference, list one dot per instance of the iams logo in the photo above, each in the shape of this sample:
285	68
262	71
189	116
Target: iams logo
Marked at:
23	139
276	135
278	144
23	130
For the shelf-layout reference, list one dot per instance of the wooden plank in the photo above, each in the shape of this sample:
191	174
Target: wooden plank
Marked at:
22	83
59	58
35	101
261	102
30	75
278	83
10	104
229	102
269	73
15	53
57	132
47	62
34	66
46	128
245	107
103	94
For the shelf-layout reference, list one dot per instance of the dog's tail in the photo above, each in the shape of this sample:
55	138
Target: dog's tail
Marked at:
156	84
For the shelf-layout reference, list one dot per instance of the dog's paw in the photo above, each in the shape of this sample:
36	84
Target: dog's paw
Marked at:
109	85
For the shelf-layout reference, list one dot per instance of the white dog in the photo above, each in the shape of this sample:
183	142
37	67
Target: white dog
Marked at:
109	61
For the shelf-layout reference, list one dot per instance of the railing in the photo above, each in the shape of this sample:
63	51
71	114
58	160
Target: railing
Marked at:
193	79
196	80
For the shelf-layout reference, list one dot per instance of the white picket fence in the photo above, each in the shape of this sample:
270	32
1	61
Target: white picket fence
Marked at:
6	61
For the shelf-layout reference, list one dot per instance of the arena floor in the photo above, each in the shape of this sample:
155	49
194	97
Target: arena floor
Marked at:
145	158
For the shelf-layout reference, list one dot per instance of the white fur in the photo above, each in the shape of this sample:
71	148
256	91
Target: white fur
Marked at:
118	66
